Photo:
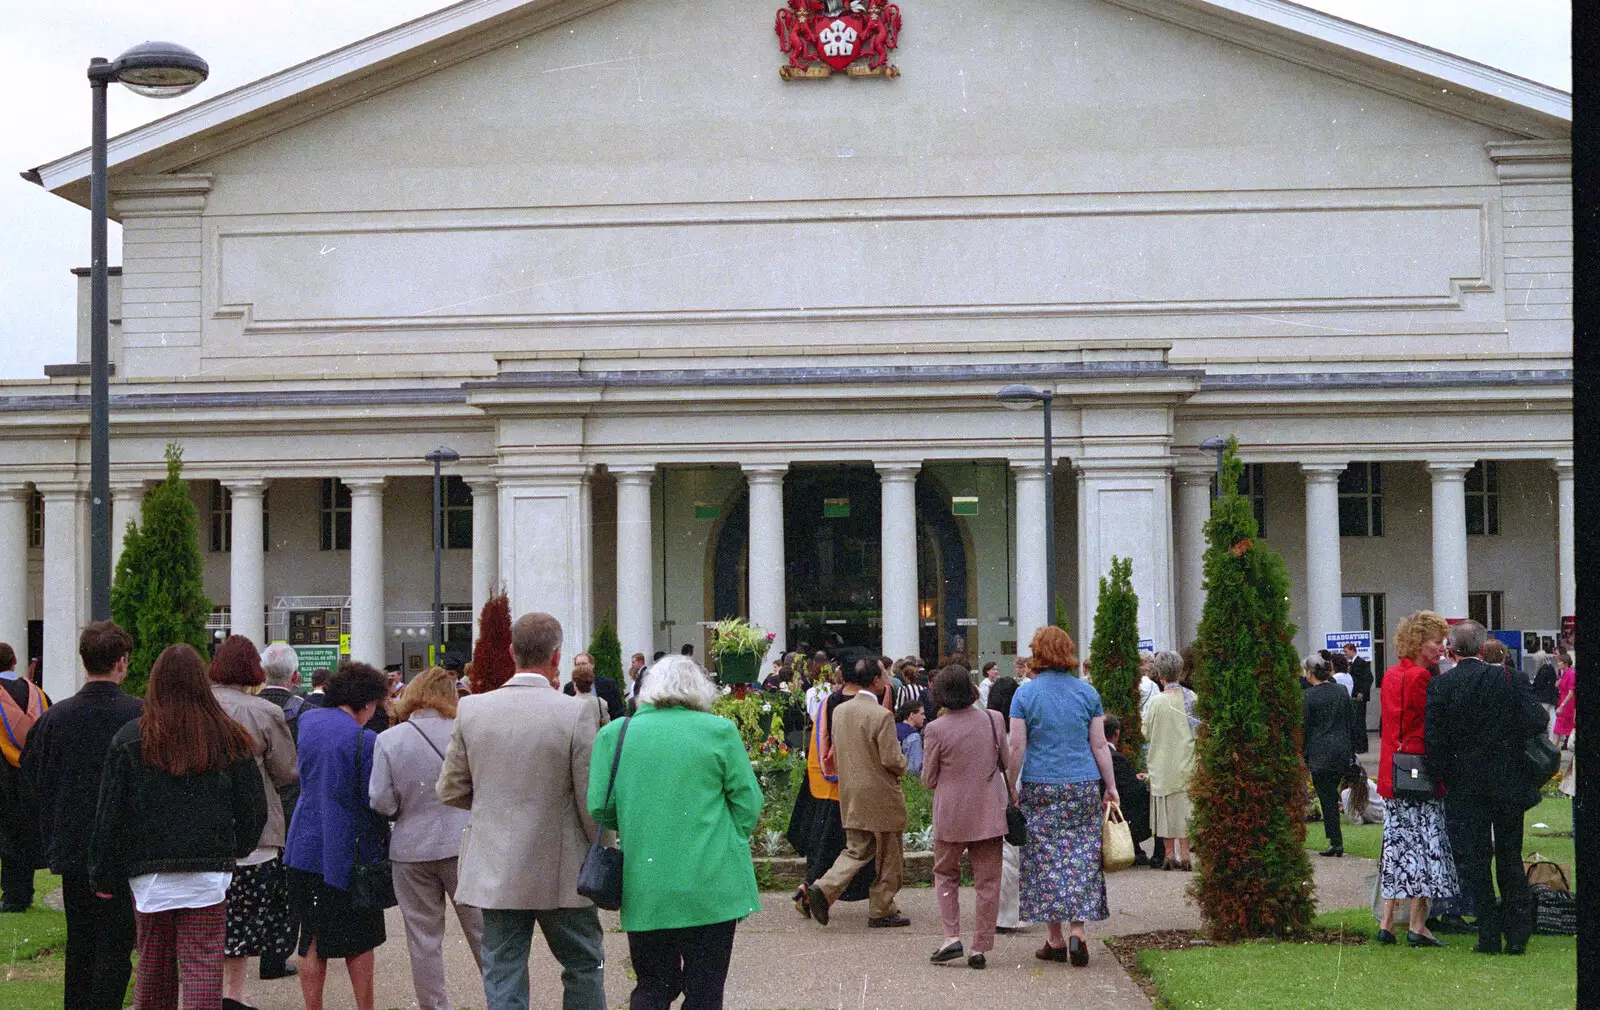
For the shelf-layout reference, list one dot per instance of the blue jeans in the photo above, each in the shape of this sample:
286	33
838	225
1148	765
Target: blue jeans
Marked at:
574	937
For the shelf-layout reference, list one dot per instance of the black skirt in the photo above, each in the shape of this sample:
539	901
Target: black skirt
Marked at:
327	917
816	831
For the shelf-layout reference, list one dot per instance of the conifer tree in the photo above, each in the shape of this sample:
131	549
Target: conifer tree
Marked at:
1114	653
606	650
492	664
1249	784
158	594
1062	621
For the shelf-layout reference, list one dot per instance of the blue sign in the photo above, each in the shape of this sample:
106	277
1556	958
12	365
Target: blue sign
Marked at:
1513	640
1362	640
1147	645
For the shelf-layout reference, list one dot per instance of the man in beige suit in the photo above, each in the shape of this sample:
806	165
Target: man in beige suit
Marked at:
868	756
519	760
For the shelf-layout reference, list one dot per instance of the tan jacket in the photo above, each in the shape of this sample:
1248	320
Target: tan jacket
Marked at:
519	760
275	752
870	763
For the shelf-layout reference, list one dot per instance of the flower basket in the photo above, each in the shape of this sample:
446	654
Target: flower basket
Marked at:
738	667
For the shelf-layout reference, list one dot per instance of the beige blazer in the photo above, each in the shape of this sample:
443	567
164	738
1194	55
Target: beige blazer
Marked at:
519	760
870	764
275	753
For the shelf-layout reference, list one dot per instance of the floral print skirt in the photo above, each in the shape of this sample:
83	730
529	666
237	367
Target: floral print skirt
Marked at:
258	911
1062	880
1416	861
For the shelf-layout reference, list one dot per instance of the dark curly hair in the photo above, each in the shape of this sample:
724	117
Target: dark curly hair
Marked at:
355	685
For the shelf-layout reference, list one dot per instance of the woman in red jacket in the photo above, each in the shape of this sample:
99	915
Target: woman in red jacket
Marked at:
1416	863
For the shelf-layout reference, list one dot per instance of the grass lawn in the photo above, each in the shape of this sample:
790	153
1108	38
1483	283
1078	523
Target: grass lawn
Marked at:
1554	812
1315	976
31	946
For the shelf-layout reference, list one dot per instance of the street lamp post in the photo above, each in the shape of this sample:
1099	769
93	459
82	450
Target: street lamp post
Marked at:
155	70
1020	397
1218	445
438	458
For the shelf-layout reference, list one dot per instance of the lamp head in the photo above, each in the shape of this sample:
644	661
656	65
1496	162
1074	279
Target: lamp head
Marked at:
1020	397
443	454
160	70
1216	443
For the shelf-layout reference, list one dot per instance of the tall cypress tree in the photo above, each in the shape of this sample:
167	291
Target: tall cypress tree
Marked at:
492	664
606	650
1115	655
1249	782
158	595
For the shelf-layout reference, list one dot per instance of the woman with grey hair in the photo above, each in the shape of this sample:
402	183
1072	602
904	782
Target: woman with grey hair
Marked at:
687	879
1160	665
1169	728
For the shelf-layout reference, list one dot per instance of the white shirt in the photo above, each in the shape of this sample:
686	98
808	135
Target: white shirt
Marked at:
983	691
1345	681
164	892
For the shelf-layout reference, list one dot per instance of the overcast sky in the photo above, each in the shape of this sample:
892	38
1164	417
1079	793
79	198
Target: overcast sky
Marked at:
47	45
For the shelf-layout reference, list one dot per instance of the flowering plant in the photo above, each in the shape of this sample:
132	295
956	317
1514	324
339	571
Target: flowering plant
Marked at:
736	637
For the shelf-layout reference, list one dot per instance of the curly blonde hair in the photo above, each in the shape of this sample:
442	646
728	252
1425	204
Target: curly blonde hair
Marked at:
1422	626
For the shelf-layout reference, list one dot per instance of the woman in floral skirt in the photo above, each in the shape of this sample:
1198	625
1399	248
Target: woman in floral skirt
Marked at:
1058	744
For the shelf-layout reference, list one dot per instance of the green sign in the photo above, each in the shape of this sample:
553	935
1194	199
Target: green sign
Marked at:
835	508
316	657
704	511
964	506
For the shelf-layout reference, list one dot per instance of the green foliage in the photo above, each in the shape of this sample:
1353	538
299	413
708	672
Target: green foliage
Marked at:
734	636
158	593
1062	621
492	664
1114	655
606	650
1249	783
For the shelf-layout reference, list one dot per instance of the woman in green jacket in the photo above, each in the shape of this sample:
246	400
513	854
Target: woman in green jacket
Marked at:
684	804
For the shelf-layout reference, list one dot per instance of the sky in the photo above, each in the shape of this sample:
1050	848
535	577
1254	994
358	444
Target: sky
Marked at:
48	45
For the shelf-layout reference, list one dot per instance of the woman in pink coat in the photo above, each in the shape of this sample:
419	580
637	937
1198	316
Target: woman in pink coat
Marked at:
963	763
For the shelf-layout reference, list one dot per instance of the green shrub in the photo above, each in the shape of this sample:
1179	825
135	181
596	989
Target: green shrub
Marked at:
606	650
1114	655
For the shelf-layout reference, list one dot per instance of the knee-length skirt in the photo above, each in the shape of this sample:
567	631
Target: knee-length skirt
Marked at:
258	912
1062	879
339	929
1416	860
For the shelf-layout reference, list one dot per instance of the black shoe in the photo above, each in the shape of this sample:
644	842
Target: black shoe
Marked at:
1420	940
1335	851
1453	923
1487	946
233	1004
13	906
949	952
1386	938
1077	952
886	921
1007	930
977	961
1516	949
281	971
819	904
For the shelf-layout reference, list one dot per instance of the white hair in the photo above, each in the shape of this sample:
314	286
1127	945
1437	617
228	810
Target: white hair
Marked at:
677	681
1168	666
280	663
1314	666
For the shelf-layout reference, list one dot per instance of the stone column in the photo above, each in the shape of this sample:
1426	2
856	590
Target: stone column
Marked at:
635	561
126	498
901	613
1324	579
14	501
1033	589
66	585
768	606
485	542
1565	565
546	547
247	561
1449	538
367	644
1125	511
1194	508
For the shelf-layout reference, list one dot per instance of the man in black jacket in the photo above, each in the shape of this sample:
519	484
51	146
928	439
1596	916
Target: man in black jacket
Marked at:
23	704
1134	792
62	761
1326	715
1360	692
1478	721
584	681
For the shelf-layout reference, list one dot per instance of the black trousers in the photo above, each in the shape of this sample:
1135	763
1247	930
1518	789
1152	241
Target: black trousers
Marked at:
692	961
1494	831
100	939
19	857
1327	787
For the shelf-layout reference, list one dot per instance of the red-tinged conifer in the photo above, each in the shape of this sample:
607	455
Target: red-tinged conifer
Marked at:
492	664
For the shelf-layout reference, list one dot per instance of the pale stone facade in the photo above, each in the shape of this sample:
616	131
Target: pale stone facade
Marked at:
666	306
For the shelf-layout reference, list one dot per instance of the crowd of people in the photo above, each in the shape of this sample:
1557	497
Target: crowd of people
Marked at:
226	816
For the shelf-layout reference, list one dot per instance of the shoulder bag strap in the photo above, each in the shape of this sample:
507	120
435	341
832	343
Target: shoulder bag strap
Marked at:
616	759
425	737
999	755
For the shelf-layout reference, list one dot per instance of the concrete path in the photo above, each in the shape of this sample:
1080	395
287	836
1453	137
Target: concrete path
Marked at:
783	962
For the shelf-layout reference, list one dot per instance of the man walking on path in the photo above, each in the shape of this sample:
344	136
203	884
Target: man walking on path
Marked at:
519	760
867	754
62	761
1327	743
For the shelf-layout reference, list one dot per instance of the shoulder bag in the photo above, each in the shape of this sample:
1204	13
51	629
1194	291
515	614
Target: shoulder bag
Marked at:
371	884
600	878
1411	778
1541	759
1016	821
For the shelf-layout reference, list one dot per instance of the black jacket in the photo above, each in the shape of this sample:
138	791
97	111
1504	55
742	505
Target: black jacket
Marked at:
608	691
63	760
148	821
1328	719
1133	791
1361	675
1477	722
1544	685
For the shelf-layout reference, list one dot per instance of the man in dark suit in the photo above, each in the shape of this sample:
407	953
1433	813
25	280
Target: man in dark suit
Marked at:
1134	790
1478	721
319	683
62	761
1326	716
1360	693
585	682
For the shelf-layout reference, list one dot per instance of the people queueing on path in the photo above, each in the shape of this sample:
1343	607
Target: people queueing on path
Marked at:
528	833
63	761
22	704
1479	717
1170	732
1416	864
861	745
425	835
687	876
1060	756
259	921
280	664
1327	742
333	831
965	766
816	825
1133	787
181	803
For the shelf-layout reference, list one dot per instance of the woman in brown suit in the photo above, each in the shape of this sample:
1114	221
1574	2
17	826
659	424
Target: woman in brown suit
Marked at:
964	764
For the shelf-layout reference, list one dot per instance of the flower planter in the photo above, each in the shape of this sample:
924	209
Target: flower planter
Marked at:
738	667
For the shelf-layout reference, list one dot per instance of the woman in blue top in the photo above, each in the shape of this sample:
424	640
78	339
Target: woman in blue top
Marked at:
333	828
1058	743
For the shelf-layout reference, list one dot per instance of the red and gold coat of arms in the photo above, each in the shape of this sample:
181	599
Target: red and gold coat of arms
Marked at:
821	36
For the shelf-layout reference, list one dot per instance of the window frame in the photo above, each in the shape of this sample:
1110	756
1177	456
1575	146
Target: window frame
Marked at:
222	519
1483	501
459	509
1367	499
333	515
36	521
1374	615
1491	613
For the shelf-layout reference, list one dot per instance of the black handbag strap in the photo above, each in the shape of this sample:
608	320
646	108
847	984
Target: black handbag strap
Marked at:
424	736
616	759
999	755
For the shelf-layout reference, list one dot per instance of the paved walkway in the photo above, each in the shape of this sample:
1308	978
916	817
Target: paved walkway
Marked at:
783	962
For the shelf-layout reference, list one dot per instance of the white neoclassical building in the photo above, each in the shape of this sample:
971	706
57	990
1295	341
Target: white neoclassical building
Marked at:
711	342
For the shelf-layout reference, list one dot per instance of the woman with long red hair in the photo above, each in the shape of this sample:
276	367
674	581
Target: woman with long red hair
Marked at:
180	802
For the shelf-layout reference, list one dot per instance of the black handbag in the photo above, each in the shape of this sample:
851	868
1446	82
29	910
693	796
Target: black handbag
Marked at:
1411	778
1016	821
600	878
371	884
